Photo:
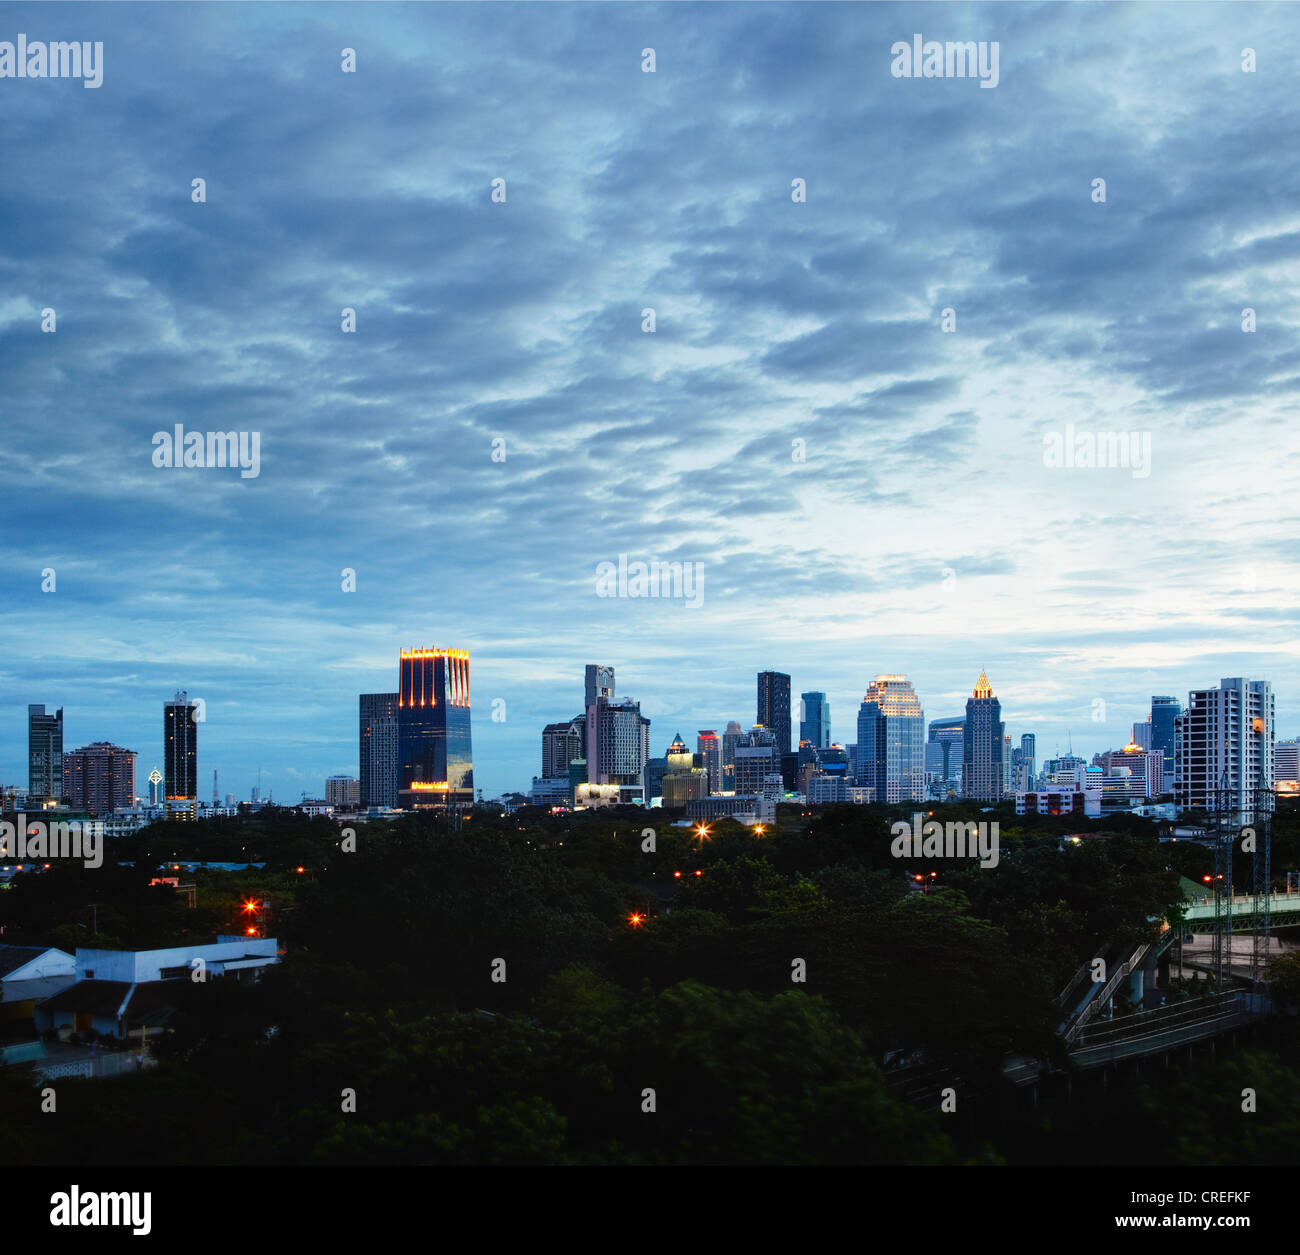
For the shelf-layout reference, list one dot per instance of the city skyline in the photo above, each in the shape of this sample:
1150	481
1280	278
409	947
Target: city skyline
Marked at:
868	484
1085	746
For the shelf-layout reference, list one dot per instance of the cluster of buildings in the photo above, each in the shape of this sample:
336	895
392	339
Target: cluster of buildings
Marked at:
99	779
1216	753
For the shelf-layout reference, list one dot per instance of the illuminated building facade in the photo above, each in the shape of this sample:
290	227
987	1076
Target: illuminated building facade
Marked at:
434	757
891	740
984	746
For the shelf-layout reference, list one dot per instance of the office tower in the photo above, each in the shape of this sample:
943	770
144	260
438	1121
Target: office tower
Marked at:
774	707
709	745
44	756
155	786
561	744
891	741
99	778
1164	735
180	750
378	749
945	758
1226	747
435	762
599	683
815	724
343	792
618	738
731	737
1286	761
755	758
1006	764
1142	734
1028	748
982	745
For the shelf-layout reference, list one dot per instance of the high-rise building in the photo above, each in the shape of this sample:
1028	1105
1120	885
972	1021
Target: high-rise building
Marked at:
1142	734
755	758
943	755
99	778
709	745
343	792
378	749
180	750
561	744
815	723
983	745
435	761
1164	735
44	756
774	707
1028	750
1286	761
891	741
731	737
1226	747
618	737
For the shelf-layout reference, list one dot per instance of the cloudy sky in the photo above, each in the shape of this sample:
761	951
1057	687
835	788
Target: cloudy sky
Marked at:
922	531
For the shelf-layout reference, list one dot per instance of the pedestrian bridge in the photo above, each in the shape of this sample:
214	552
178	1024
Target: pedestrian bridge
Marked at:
1246	906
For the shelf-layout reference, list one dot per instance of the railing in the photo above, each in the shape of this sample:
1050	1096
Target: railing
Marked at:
1125	969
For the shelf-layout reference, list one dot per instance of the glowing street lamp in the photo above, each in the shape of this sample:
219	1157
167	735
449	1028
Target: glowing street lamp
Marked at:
636	919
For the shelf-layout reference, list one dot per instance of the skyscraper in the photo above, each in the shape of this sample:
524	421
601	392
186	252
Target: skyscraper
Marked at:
180	750
943	754
1142	734
1226	747
99	778
709	745
1024	781
378	749
755	759
618	737
731	736
561	744
774	707
891	740
434	757
1164	735
44	756
982	745
815	726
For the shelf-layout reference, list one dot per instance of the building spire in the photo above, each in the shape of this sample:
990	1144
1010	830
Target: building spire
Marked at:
982	687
